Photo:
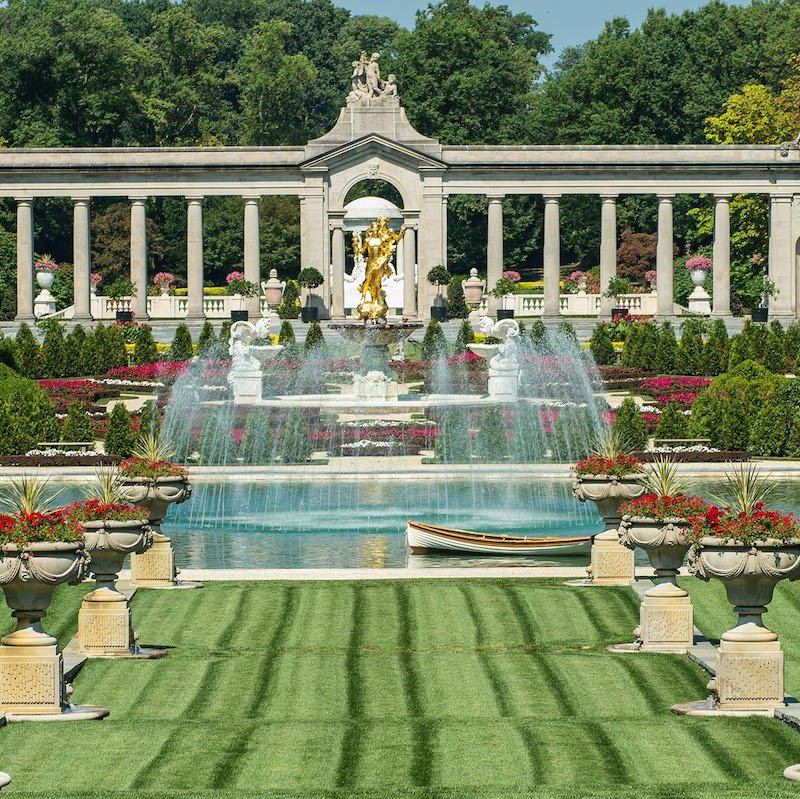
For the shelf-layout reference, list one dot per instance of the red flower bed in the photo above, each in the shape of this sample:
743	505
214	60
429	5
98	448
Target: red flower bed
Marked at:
674	385
166	372
621	465
684	400
747	528
93	510
24	528
64	393
653	506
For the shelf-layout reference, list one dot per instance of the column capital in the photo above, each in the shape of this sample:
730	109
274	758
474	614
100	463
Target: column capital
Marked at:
138	198
81	199
24	199
665	196
251	198
609	198
194	198
551	198
495	198
722	198
781	198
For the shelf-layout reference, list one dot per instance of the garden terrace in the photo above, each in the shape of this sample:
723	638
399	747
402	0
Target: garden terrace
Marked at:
432	688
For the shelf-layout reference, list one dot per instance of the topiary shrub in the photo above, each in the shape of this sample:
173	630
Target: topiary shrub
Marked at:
207	339
115	351
120	438
149	420
77	426
73	345
28	355
690	353
672	423
567	331
7	351
434	344
457	307
28	414
315	345
527	445
216	442
491	444
538	335
629	425
289	307
453	443
296	445
91	355
793	440
54	350
258	446
715	350
601	346
144	348
465	335
774	352
769	430
666	350
287	339
181	348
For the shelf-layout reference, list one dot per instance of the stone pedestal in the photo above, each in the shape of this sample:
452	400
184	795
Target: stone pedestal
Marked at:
156	567
666	620
749	675
504	381
612	563
104	624
700	301
31	674
44	304
375	386
246	385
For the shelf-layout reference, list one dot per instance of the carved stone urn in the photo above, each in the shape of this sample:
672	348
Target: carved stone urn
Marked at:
104	619
666	622
749	674
612	564
32	683
156	567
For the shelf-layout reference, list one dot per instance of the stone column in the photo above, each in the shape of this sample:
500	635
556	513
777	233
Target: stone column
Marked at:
552	257
81	259
494	242
444	230
314	238
722	256
664	256
409	264
337	289
194	259
429	240
139	257
24	259
252	253
781	255
608	248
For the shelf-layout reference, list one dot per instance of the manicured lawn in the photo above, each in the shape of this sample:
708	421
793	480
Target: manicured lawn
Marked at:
409	689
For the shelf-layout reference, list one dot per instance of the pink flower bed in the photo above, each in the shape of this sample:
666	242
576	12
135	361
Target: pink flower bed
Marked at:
671	385
166	372
684	399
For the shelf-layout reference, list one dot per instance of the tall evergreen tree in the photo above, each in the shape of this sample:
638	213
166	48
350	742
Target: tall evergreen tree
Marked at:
667	350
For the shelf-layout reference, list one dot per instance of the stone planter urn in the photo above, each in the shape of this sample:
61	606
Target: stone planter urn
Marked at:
666	622
749	674
32	683
155	568
273	289
45	278
698	276
612	563
104	619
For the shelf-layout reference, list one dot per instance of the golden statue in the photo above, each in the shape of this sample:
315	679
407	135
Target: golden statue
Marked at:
376	247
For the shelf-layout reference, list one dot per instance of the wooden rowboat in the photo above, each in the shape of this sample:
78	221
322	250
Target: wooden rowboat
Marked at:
422	537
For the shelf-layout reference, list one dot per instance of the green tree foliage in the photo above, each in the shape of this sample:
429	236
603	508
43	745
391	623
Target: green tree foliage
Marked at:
207	340
287	339
28	355
314	346
715	349
27	416
115	354
672	423
434	344
77	426
54	351
793	439
453	443
690	353
7	352
295	444
289	307
774	349
601	346
666	350
465	335
120	438
257	446
491	445
629	425
457	307
149	420
181	348
74	343
144	348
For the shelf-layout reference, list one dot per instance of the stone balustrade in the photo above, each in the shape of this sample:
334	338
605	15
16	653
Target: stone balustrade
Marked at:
582	304
171	306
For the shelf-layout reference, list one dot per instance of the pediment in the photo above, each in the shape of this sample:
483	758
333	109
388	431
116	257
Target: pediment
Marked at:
367	147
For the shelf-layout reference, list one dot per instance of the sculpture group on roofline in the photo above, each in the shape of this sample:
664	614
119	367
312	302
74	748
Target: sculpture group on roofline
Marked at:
366	86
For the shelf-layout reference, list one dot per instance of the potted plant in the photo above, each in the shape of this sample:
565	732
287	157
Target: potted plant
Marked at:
94	281
239	287
45	268
762	286
698	267
439	276
502	289
658	523
112	530
608	477
618	286
40	549
164	281
576	282
650	278
120	290
150	479
749	549
309	278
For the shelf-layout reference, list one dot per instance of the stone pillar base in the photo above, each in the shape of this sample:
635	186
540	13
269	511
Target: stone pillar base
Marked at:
155	568
504	383
700	301
31	674
246	385
612	563
104	625
749	676
666	622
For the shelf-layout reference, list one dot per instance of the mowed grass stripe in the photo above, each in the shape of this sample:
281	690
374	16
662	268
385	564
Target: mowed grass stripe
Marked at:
350	753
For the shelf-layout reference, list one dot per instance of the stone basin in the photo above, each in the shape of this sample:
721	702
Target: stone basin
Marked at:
376	335
484	350
265	352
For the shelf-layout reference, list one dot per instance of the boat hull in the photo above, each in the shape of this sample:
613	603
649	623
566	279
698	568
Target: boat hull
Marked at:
431	538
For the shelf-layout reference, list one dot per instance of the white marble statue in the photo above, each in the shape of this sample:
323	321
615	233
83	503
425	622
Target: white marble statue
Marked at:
504	366
366	85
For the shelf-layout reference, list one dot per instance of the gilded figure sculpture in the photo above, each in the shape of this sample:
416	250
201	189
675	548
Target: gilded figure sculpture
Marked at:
376	246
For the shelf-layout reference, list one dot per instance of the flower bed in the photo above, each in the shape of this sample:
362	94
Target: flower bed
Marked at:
660	386
160	373
621	465
141	467
76	459
654	506
694	455
64	393
23	528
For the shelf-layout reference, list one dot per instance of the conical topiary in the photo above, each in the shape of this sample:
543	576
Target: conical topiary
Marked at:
296	446
314	345
120	438
690	352
257	446
457	307
206	340
54	350
289	307
672	423
601	346
466	335
434	344
287	339
28	355
77	426
181	348
715	350
629	425
666	351
491	444
144	348
452	439
150	420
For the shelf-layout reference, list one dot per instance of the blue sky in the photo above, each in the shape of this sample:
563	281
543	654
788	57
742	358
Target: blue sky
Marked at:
570	21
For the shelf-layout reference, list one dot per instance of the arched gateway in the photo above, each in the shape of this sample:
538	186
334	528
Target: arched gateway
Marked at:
373	139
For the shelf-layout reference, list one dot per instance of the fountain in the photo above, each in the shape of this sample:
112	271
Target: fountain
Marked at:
503	363
247	359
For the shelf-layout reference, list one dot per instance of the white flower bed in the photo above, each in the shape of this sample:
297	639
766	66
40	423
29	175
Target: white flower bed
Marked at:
111	381
58	453
367	444
683	448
